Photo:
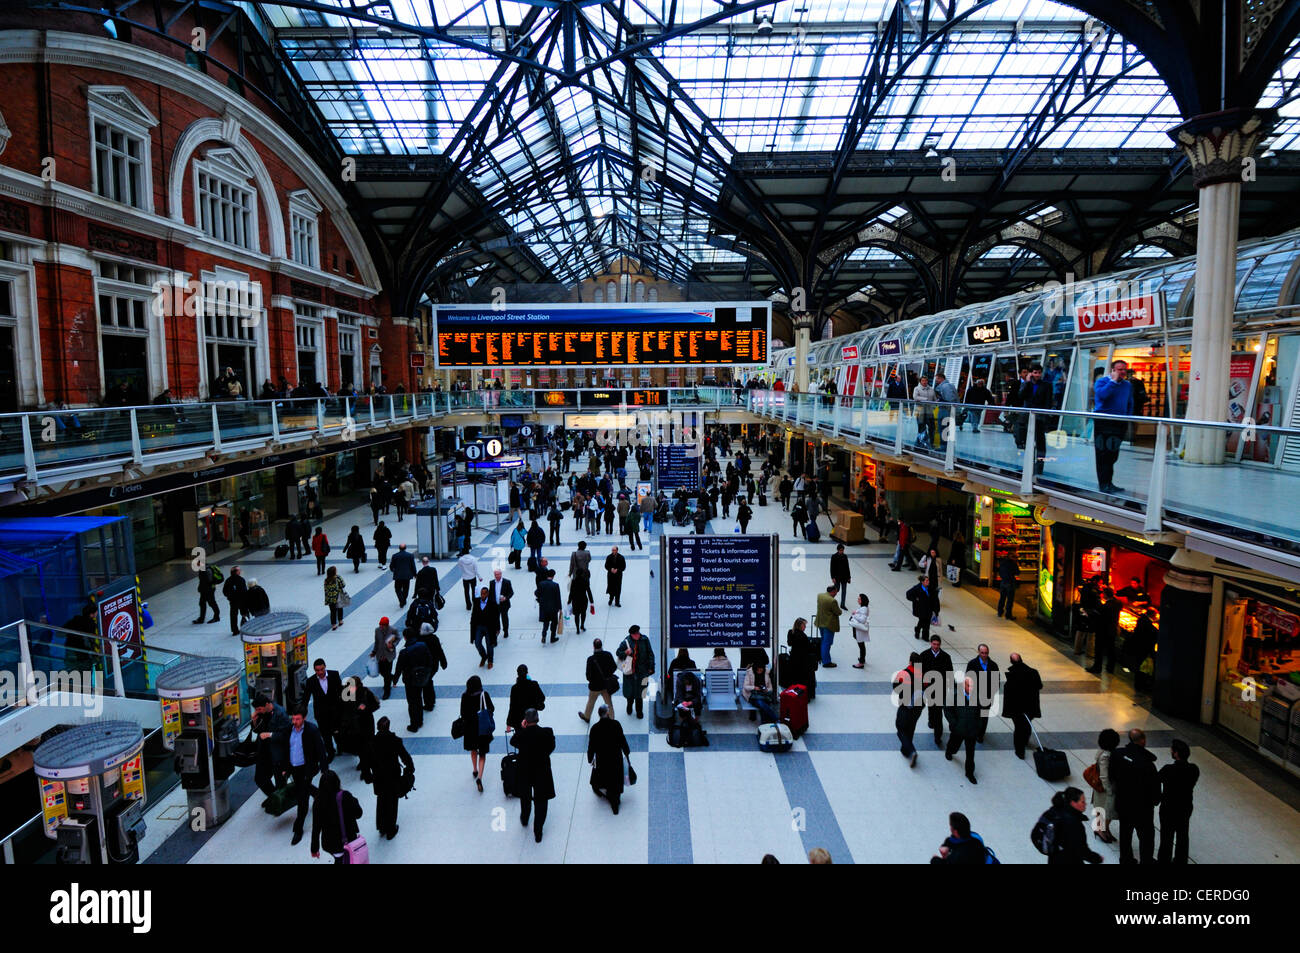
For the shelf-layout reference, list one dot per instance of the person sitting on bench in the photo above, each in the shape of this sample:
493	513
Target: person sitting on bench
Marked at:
757	691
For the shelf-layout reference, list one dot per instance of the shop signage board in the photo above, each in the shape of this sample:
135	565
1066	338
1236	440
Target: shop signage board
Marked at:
1121	314
849	353
720	590
992	332
890	347
119	621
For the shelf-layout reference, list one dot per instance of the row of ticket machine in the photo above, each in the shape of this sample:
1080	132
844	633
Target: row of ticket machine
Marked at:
92	776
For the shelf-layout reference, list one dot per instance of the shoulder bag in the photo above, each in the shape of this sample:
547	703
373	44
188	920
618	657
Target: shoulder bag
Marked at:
345	599
356	850
1092	774
628	665
486	723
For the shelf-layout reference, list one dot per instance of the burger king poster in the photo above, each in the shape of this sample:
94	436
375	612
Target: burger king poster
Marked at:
119	620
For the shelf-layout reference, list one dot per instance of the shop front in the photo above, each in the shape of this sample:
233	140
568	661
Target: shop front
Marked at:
1258	672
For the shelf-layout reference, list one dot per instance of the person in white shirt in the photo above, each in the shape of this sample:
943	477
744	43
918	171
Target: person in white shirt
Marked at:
468	577
859	622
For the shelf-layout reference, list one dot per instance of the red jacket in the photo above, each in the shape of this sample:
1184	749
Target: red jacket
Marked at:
904	533
318	542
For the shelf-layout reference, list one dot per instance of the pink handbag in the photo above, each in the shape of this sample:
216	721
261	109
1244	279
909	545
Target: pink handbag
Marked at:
357	851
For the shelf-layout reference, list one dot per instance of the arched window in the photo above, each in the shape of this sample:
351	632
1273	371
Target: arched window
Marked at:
653	294
639	292
611	291
598	296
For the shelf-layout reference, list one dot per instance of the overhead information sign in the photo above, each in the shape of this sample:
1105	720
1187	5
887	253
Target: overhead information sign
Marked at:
684	334
720	591
677	465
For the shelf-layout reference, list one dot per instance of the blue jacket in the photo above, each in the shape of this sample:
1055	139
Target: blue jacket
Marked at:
1112	397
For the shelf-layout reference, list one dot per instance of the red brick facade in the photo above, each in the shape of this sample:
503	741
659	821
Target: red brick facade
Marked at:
70	230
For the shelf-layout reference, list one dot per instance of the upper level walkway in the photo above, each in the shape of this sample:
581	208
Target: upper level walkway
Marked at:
1236	508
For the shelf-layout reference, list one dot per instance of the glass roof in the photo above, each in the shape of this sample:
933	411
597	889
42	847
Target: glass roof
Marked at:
647	137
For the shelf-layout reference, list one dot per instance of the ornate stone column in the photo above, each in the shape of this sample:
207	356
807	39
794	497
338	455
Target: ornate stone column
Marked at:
1218	146
803	322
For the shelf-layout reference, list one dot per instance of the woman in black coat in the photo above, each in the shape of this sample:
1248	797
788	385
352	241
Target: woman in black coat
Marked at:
471	700
524	694
357	723
331	800
579	599
389	757
606	749
1070	829
803	660
355	549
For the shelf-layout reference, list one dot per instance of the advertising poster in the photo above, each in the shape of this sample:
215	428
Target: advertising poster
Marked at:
119	620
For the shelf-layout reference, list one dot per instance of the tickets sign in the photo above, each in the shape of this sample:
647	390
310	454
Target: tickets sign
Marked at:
1121	314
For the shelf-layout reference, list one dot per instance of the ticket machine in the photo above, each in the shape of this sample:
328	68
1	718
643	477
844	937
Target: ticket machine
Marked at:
200	722
92	792
275	656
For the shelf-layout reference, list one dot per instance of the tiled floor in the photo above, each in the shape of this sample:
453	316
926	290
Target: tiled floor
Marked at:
844	786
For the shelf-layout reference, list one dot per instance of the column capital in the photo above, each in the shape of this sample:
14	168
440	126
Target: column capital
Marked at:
1217	143
802	320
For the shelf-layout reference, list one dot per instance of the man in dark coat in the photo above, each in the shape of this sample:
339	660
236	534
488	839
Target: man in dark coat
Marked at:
985	672
234	589
484	624
207	596
271	723
606	748
964	721
533	779
1036	395
402	566
936	678
325	690
840	574
550	602
924	602
388	757
502	592
426	635
304	535
415	668
383	538
1020	688
293	537
1137	792
615	566
601	679
1008	576
426	580
525	693
960	847
1176	782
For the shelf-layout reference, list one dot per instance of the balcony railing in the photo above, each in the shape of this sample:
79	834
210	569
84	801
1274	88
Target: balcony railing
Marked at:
1188	474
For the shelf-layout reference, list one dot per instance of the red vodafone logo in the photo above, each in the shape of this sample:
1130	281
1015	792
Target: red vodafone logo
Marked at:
1120	315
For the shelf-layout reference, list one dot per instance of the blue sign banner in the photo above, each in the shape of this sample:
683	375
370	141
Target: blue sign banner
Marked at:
719	591
503	464
677	465
447	470
890	347
587	314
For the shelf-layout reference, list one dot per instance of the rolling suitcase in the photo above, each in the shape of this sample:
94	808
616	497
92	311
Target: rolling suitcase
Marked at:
811	532
281	551
509	771
1051	765
282	800
762	499
794	709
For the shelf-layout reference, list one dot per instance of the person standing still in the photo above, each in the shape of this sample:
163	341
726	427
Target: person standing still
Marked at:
1008	578
840	574
1112	394
1137	791
1176	782
827	621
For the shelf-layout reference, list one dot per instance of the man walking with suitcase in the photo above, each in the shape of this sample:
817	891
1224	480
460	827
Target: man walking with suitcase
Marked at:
533	779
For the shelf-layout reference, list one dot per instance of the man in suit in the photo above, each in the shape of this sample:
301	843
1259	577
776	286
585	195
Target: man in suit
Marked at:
936	682
985	672
303	752
550	602
402	566
840	574
1020	701
615	566
325	691
502	592
484	620
234	590
1137	792
427	578
964	720
271	723
415	665
534	781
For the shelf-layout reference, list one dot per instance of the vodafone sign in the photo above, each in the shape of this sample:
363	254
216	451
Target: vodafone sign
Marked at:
1123	314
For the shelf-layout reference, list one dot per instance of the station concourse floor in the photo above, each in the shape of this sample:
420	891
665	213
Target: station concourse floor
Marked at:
844	787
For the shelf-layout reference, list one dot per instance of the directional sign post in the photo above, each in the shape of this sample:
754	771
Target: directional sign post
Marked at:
721	590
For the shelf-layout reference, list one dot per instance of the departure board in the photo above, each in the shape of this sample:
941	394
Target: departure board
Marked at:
576	335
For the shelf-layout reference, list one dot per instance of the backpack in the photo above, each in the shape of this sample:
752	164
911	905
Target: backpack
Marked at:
217	574
1043	835
989	856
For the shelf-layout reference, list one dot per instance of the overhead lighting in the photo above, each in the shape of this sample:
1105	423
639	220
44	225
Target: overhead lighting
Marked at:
764	25
384	30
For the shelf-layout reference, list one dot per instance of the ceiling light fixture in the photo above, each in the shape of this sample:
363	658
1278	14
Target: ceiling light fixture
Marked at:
764	25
